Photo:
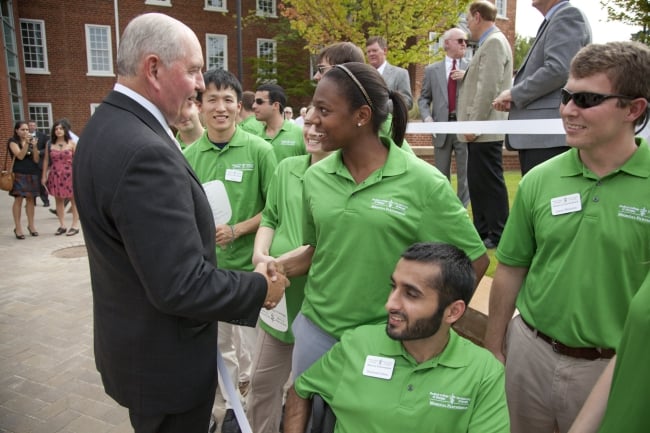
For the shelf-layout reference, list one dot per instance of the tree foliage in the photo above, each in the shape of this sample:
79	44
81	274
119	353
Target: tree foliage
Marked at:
404	24
522	46
634	12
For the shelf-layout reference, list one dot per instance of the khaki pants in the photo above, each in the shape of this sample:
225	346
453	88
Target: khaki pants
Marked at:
545	390
269	375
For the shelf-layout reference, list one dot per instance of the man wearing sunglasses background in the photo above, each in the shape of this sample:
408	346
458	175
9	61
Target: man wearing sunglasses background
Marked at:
535	93
576	246
437	103
284	135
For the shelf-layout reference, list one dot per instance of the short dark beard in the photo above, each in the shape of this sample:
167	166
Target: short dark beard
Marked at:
422	328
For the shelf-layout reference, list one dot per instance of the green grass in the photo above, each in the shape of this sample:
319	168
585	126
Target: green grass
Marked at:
512	182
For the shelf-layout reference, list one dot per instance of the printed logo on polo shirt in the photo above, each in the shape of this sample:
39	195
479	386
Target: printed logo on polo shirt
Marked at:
449	401
287	142
243	166
641	214
390	206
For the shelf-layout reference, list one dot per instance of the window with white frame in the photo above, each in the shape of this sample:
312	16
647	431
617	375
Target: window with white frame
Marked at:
41	113
11	58
32	33
266	8
216	5
166	3
216	51
99	50
266	54
502	8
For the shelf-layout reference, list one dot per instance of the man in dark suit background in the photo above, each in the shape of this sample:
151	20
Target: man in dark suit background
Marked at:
535	93
157	292
435	106
396	78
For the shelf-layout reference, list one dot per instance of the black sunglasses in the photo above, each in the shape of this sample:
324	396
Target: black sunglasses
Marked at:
462	41
587	99
260	101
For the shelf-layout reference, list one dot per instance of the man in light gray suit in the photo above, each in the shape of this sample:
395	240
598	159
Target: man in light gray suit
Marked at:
536	90
435	106
489	73
396	78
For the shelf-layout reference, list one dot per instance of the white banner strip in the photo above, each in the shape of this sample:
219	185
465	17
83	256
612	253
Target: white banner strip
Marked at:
233	395
532	126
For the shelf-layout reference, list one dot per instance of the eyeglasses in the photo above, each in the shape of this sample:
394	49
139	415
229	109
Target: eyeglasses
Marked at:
587	99
260	101
462	41
288	112
324	68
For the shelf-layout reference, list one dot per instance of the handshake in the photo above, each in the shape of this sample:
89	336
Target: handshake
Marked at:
276	281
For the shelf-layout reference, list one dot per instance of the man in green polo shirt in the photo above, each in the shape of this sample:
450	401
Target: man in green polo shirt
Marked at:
284	135
576	246
413	373
244	164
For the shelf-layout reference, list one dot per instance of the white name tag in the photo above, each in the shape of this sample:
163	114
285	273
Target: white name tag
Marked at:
379	367
234	175
566	204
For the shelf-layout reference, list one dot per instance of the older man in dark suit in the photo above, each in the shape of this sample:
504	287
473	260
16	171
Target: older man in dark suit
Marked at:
535	93
156	289
437	103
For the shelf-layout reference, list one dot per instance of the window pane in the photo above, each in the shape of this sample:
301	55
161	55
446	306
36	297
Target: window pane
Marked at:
33	37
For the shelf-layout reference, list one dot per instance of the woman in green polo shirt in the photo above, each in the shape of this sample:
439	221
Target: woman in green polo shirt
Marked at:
363	206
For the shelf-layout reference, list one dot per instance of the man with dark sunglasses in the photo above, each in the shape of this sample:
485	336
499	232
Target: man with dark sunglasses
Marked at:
437	103
576	246
284	135
535	93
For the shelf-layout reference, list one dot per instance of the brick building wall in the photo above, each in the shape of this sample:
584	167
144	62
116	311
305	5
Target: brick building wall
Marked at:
70	89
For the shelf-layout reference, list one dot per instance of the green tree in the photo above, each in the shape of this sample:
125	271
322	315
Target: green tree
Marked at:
284	70
634	12
404	24
522	46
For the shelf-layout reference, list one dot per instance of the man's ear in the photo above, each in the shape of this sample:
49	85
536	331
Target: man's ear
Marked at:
151	65
637	108
454	311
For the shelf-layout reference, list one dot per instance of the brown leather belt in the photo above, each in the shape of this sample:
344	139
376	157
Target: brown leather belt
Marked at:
590	353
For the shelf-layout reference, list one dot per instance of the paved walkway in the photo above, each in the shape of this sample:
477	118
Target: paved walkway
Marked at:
48	380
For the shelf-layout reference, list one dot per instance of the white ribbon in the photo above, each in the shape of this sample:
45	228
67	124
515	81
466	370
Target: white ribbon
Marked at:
529	126
233	395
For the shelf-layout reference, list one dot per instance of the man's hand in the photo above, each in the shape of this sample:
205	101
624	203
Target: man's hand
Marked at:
276	282
225	235
470	137
503	101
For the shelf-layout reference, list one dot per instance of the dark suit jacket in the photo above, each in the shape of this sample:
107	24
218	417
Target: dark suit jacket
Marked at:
150	237
544	71
434	100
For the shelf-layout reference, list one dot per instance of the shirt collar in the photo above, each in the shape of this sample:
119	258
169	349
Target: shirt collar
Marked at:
395	164
148	105
637	165
452	355
486	34
382	67
552	10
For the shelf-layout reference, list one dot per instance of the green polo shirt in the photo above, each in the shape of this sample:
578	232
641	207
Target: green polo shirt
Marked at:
287	142
360	230
586	264
627	408
283	213
384	131
254	159
460	390
252	125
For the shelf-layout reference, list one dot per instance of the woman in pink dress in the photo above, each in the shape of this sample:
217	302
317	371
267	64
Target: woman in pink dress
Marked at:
58	179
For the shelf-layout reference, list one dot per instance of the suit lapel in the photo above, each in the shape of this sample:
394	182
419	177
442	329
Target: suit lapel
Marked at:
540	34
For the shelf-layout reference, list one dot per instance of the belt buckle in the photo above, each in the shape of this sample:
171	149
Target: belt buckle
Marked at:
554	345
